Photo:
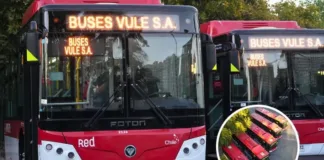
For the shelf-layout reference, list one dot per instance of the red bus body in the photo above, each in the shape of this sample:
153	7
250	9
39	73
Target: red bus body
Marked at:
280	120
109	144
265	136
233	152
310	131
37	4
253	146
217	28
267	124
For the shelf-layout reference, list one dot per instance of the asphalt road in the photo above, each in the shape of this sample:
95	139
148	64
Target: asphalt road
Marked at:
287	146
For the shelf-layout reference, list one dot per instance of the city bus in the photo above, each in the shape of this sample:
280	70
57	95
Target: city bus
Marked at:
278	119
251	148
232	152
274	63
92	79
268	142
267	125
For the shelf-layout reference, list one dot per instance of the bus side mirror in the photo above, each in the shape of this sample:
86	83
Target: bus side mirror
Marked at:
209	50
235	61
211	57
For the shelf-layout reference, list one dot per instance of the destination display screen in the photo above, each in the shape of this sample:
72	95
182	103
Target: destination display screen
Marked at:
78	46
256	60
153	21
289	42
74	45
136	22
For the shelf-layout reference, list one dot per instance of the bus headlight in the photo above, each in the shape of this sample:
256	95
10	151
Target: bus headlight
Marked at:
194	145
186	150
49	147
192	149
71	155
57	151
202	141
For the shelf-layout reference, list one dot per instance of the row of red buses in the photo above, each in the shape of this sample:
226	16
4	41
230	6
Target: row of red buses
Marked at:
269	142
276	118
107	79
267	125
232	152
274	63
251	148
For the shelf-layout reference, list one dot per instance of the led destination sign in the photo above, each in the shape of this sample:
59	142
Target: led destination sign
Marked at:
256	60
78	46
124	22
285	42
85	45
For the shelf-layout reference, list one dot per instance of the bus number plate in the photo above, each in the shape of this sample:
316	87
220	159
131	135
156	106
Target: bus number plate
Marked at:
123	132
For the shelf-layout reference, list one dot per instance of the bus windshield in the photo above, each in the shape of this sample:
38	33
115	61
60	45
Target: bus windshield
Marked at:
270	76
159	64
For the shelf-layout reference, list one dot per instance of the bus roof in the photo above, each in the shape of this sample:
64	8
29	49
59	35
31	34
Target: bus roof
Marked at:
234	152
272	115
248	141
217	28
256	148
37	4
266	122
260	152
267	137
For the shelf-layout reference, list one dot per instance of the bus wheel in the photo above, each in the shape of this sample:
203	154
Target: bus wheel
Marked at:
21	146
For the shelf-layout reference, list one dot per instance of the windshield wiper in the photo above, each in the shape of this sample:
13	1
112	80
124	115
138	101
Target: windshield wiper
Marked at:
310	104
155	109
94	119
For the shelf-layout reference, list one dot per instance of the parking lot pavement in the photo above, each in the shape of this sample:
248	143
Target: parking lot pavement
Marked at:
287	146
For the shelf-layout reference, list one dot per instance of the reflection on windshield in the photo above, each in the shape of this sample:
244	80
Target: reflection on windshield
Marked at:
162	65
282	73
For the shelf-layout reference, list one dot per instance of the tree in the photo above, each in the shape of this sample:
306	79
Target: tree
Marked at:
229	9
306	14
223	157
320	5
237	124
11	18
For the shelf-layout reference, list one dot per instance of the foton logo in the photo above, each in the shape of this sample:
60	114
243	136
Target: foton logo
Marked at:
85	143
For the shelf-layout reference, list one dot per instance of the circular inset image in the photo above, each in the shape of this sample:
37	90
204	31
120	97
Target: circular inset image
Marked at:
257	132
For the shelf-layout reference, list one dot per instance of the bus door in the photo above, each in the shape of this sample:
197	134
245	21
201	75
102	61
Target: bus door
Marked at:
209	69
31	78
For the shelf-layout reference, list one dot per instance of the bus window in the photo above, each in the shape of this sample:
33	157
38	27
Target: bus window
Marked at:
263	79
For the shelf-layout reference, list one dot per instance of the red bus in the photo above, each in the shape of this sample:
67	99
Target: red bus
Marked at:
278	119
264	138
137	61
269	73
233	153
254	150
267	125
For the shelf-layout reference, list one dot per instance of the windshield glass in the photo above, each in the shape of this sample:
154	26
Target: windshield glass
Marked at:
162	66
77	78
271	77
83	70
